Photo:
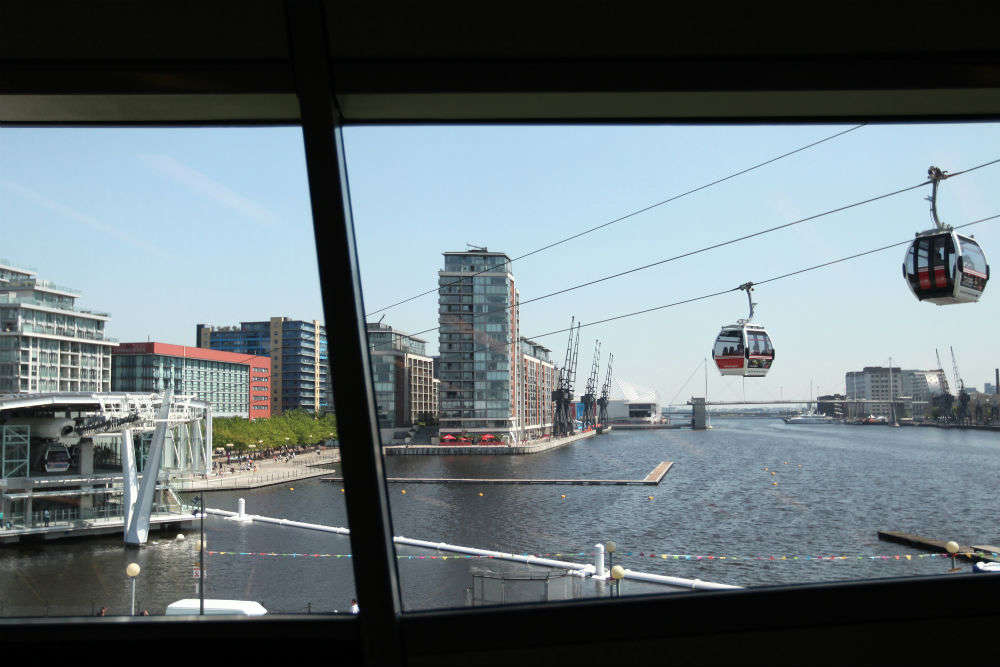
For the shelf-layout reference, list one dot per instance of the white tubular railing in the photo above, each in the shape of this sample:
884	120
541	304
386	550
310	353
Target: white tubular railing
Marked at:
694	584
517	558
283	522
578	569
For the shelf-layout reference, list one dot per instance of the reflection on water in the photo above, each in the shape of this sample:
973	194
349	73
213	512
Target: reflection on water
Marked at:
832	489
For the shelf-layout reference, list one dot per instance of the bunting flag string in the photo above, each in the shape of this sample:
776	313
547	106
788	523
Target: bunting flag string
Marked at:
662	556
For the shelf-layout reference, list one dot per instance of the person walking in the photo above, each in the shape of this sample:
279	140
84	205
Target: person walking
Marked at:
354	606
47	517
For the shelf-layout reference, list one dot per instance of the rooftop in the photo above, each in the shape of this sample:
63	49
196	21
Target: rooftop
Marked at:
375	327
169	350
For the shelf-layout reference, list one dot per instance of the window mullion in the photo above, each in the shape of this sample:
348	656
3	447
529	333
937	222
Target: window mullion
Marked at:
375	573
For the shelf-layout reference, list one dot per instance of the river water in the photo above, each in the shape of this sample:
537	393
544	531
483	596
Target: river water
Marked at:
836	486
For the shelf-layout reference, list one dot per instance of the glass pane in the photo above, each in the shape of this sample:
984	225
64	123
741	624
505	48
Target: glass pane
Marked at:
972	257
729	343
140	262
502	496
923	254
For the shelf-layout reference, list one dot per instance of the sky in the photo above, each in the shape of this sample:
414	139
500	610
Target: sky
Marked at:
168	227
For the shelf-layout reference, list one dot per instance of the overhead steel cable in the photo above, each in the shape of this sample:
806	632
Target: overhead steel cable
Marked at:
760	282
721	244
632	214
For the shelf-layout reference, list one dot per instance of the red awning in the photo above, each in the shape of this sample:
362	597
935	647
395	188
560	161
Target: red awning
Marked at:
488	436
448	436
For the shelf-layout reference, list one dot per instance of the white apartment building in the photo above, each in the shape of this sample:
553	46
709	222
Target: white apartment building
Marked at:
912	391
46	343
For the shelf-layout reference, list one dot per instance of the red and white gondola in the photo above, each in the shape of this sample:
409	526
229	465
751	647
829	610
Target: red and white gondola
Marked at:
743	348
942	266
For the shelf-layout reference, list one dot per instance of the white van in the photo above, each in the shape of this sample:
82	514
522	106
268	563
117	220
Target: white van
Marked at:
192	607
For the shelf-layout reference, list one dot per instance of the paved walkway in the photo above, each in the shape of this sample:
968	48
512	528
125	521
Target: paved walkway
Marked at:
268	472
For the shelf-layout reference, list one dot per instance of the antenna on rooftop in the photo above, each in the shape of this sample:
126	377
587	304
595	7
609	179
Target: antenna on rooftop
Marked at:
472	246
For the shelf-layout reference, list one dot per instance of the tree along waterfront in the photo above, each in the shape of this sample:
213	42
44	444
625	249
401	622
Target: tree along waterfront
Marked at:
296	427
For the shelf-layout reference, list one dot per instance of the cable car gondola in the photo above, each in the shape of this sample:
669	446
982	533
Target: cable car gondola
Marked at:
743	348
941	265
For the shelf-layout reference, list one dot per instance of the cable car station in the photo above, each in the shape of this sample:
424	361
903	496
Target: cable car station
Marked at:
75	463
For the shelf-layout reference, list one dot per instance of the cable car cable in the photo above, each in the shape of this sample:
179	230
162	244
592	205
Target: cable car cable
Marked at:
749	236
686	382
723	243
759	282
626	216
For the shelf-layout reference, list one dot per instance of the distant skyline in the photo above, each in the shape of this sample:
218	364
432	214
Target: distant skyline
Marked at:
166	228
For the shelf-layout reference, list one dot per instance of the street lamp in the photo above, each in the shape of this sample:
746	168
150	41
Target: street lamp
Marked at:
132	571
952	548
200	501
618	573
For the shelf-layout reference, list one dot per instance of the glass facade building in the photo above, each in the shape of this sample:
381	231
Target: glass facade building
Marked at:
236	385
300	375
478	344
46	342
403	376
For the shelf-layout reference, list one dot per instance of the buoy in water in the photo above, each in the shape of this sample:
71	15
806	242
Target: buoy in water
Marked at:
480	493
564	495
180	536
650	497
772	472
291	488
774	484
403	491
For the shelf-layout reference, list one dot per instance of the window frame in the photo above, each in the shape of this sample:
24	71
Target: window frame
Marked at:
305	87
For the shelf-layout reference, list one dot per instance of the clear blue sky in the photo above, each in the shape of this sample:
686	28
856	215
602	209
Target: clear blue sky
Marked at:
166	228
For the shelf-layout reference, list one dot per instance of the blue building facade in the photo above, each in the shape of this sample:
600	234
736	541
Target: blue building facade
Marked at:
300	370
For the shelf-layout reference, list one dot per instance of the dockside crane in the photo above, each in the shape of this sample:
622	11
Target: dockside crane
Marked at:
954	367
602	402
963	396
571	384
562	395
589	399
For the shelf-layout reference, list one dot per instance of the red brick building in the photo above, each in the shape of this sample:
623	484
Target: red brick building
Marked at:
236	385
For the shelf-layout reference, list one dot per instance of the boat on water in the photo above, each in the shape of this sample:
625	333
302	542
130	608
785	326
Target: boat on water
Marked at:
810	418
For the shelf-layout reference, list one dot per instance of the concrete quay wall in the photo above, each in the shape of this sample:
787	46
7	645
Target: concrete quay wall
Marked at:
485	450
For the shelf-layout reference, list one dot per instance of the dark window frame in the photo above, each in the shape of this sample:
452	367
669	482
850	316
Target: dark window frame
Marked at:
842	620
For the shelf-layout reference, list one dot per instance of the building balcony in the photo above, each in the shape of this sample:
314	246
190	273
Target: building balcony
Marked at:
79	334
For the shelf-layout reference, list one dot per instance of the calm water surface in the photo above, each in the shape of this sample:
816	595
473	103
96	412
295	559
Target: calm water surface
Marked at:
836	487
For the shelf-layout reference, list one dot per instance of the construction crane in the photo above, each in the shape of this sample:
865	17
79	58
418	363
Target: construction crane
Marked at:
589	399
963	396
562	395
940	366
954	367
602	402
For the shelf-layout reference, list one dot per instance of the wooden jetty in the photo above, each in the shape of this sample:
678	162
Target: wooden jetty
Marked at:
982	552
652	479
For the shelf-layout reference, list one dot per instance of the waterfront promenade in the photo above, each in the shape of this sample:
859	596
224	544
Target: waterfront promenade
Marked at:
268	472
533	447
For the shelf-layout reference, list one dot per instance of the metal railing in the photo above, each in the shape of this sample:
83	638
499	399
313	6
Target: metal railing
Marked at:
76	516
240	481
119	608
